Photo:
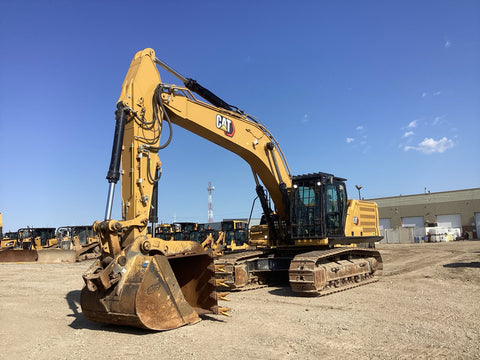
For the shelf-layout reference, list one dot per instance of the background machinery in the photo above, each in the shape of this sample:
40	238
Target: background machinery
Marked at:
82	239
182	230
34	245
165	231
9	240
157	284
37	238
236	234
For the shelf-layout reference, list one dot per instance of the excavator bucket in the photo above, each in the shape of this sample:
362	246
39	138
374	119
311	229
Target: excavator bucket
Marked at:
156	292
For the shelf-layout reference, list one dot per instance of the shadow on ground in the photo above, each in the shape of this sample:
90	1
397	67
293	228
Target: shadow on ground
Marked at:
472	264
283	291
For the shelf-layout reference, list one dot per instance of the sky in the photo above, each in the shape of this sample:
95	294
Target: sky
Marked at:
383	93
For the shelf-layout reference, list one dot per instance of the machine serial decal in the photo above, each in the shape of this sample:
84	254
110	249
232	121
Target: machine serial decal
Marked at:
226	125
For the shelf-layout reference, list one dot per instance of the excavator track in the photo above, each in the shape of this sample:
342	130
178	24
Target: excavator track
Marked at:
318	273
324	272
230	271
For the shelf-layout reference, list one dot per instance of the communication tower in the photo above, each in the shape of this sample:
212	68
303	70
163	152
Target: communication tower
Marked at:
210	208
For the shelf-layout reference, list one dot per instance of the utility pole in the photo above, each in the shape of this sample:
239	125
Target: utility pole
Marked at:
358	188
210	206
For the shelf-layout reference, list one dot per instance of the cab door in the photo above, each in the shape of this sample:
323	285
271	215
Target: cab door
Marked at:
335	208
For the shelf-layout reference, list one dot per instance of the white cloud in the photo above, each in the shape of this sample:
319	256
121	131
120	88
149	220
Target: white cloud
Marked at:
360	127
305	118
448	44
431	146
412	124
438	120
408	133
349	140
434	93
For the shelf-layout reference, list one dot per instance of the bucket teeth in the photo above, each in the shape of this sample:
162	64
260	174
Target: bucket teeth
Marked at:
221	283
223	296
220	268
224	311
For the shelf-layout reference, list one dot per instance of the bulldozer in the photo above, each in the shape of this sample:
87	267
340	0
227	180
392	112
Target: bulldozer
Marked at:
82	239
165	231
7	240
35	244
31	238
143	281
236	235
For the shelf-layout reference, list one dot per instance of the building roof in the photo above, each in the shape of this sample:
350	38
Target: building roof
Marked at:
438	197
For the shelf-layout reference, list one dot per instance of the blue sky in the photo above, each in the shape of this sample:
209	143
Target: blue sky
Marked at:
383	93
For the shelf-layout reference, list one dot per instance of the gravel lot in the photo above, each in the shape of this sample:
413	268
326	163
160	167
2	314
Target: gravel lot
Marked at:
426	305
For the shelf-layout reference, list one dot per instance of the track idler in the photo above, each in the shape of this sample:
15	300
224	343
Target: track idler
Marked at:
153	292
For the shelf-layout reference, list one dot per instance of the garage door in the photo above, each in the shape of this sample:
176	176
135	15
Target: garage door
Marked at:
415	222
451	221
386	224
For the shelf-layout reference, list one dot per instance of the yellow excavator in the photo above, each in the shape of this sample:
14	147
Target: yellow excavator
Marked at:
148	282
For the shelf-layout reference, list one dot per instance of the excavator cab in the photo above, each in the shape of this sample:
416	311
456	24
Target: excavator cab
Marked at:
318	206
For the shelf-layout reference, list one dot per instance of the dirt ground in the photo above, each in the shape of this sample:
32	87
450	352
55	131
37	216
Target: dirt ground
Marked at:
426	305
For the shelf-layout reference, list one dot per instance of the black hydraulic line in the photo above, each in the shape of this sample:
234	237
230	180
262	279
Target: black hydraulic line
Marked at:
281	186
251	212
267	212
285	198
113	174
153	217
194	86
157	101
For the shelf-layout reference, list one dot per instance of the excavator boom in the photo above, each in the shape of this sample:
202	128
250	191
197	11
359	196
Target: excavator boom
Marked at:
141	280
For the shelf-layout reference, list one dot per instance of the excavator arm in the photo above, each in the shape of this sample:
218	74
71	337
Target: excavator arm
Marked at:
141	280
147	100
